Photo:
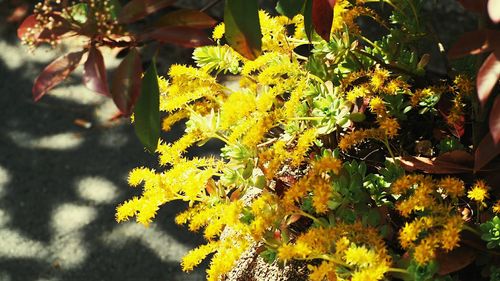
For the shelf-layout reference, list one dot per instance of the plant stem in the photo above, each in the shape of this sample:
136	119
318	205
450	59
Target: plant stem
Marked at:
388	66
470	229
386	143
307	215
307	118
398	270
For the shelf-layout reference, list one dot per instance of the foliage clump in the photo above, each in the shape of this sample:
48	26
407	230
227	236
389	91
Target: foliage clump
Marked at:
339	158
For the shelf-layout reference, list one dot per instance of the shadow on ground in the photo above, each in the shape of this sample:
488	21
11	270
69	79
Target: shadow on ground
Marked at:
60	184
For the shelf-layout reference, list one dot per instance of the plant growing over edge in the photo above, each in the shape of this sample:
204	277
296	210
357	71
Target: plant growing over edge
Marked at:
324	158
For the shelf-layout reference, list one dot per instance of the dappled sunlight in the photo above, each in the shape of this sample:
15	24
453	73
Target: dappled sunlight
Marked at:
4	218
15	245
61	141
113	139
97	189
4	179
163	245
40	55
77	94
69	250
71	217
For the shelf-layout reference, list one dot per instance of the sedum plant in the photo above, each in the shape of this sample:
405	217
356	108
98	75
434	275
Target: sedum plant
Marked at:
341	157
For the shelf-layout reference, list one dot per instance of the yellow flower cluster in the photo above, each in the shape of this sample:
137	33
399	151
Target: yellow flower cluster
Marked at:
285	179
379	83
352	246
315	182
437	225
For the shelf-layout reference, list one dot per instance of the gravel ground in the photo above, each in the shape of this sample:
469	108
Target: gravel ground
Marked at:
60	184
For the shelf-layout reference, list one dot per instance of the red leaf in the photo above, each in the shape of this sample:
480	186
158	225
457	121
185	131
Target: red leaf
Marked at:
455	260
455	162
186	18
487	77
28	23
475	42
486	151
138	9
55	73
478	6
495	120
322	17
494	10
185	36
126	85
94	76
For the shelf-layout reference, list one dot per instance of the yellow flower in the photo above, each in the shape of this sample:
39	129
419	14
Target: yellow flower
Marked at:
171	119
326	164
479	191
322	194
452	186
496	207
377	106
127	209
426	250
342	244
286	252
419	95
360	256
464	84
138	175
390	126
409	233
379	77
237	106
450	235
324	270
195	256
219	31
303	143
402	184
357	92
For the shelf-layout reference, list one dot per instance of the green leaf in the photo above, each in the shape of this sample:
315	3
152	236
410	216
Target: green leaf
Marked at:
289	8
79	13
269	255
308	24
147	110
187	18
243	33
115	8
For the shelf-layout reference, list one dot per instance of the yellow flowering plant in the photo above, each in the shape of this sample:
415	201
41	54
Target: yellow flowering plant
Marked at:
347	158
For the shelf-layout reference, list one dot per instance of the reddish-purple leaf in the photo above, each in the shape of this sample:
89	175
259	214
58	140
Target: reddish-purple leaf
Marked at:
475	42
185	36
478	6
455	162
322	17
494	10
495	120
94	76
187	18
28	24
455	260
138	9
55	73
126	85
62	27
487	77
486	151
